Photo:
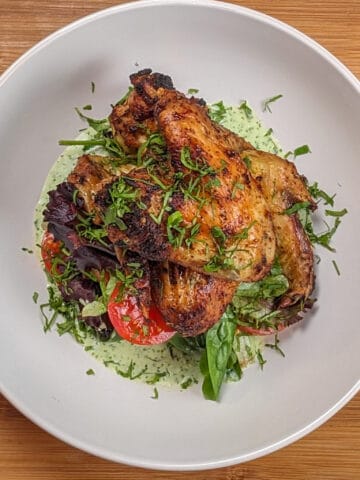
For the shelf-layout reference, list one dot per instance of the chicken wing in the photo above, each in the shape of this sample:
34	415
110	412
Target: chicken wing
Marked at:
190	302
283	187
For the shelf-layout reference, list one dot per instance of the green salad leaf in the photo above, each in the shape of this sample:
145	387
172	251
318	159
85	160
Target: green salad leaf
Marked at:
214	361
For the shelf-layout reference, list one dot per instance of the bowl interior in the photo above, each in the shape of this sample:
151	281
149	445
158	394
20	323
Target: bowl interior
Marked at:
227	53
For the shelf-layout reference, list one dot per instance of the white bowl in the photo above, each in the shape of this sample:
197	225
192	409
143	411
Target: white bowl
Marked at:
230	53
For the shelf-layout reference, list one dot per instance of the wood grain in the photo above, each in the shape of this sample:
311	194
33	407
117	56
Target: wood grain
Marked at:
330	452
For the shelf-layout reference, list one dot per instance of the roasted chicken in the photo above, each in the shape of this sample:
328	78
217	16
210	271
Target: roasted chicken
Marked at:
207	214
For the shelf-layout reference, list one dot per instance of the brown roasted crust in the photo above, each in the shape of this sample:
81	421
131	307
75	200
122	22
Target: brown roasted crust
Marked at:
90	177
282	187
141	284
295	257
133	120
190	302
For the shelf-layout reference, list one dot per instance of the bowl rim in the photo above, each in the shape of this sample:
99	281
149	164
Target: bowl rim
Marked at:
221	5
20	404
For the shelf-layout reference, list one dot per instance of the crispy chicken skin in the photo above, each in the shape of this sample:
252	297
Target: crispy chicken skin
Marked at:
90	177
133	120
282	187
190	302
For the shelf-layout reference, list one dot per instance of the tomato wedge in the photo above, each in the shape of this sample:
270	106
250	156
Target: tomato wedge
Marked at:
261	331
50	249
131	324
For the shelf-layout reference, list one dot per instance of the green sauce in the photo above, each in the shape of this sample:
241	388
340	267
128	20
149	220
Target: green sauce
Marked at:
250	128
156	364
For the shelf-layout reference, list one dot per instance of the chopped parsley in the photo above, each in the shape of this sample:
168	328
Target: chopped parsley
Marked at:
296	207
56	306
156	394
336	267
319	194
275	346
246	109
268	101
223	259
122	197
217	111
301	150
86	229
321	238
260	359
27	250
197	166
336	213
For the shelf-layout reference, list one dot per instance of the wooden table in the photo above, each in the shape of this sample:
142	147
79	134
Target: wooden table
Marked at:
333	450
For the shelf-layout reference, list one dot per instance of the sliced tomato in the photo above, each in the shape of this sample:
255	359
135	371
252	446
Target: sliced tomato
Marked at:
131	324
50	249
260	331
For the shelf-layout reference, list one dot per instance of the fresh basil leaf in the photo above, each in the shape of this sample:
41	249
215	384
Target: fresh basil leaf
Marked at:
213	364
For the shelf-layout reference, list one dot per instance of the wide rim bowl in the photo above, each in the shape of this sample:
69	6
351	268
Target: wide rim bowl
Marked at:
20	402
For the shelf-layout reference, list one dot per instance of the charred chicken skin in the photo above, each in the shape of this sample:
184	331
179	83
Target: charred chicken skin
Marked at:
201	235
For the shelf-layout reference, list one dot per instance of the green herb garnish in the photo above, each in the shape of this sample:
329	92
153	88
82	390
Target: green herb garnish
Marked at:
217	111
247	110
123	196
195	165
317	193
175	229
214	361
27	250
86	229
301	150
336	213
336	267
296	207
268	101
275	346
192	91
156	394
